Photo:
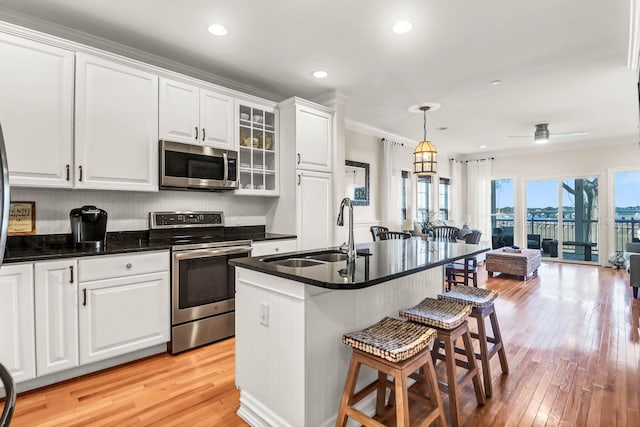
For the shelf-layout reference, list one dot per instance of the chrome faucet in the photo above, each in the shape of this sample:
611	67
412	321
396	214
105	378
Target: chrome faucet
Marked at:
351	246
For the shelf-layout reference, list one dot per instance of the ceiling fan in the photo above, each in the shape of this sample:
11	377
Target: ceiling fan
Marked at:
542	134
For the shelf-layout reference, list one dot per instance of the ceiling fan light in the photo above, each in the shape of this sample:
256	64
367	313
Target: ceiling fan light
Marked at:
541	136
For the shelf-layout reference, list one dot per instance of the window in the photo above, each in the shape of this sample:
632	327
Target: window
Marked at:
627	207
502	196
424	183
403	196
444	197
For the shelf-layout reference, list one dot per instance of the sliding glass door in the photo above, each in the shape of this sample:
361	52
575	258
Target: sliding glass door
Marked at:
563	217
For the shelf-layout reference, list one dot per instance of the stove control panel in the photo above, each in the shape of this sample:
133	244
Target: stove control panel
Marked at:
185	219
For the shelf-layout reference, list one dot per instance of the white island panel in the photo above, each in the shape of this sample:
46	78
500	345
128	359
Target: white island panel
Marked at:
291	372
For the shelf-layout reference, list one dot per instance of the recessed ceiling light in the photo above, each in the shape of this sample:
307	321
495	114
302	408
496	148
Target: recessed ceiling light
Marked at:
218	30
496	82
402	27
483	146
319	74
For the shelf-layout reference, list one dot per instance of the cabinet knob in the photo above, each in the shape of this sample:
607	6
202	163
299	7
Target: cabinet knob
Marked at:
129	265
277	249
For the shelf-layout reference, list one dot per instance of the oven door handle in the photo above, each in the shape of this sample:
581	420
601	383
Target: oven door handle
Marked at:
203	253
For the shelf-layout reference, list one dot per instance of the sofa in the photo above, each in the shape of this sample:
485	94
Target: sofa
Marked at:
632	265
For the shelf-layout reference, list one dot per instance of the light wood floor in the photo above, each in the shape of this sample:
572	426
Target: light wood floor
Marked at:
572	338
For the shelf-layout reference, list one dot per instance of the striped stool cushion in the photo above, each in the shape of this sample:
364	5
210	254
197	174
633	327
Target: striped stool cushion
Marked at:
438	313
475	297
391	339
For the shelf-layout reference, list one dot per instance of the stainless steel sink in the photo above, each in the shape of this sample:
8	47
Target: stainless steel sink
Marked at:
296	262
309	259
329	257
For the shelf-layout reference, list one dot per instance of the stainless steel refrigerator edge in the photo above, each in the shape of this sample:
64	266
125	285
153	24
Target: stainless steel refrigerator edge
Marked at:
5	196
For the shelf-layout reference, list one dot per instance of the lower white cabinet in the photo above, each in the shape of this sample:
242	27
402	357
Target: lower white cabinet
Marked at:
56	303
314	201
123	312
272	247
17	348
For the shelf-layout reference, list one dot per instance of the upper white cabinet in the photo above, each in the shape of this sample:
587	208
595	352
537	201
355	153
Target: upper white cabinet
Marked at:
17	351
258	149
314	137
36	112
56	302
195	115
116	127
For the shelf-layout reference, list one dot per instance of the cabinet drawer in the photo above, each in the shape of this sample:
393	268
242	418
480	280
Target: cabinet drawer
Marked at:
110	266
273	247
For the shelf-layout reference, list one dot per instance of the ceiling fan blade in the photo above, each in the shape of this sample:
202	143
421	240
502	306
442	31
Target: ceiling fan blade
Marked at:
565	134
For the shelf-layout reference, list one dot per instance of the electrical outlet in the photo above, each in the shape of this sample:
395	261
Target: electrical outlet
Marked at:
264	314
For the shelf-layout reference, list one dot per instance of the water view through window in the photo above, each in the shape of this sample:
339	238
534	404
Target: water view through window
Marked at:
627	208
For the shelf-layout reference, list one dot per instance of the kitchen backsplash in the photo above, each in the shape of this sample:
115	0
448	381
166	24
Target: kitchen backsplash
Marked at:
130	210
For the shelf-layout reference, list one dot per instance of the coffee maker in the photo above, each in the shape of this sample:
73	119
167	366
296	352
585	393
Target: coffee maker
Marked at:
88	227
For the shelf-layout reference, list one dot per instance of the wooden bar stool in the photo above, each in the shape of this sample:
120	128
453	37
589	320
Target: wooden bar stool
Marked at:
395	348
450	321
482	303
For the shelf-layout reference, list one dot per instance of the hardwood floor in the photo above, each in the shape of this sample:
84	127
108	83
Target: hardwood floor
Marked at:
571	335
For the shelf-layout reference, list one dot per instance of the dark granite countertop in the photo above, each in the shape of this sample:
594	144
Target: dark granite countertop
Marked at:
387	260
54	246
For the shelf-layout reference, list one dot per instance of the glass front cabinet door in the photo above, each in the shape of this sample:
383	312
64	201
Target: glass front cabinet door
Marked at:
258	149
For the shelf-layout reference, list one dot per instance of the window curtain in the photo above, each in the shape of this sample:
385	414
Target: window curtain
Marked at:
392	185
457	188
479	196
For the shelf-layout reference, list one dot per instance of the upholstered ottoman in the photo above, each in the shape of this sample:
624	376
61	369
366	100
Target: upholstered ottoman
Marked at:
521	263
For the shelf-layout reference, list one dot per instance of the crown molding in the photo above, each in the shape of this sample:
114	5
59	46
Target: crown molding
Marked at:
332	97
373	131
45	31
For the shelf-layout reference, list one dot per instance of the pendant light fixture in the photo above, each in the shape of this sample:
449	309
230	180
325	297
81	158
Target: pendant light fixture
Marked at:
425	157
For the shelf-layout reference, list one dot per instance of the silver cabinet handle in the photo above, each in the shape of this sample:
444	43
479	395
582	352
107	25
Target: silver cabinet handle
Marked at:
203	134
84	296
196	128
71	274
299	175
68	173
129	265
298	158
80	178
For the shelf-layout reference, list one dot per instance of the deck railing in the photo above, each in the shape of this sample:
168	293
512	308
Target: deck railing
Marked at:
625	230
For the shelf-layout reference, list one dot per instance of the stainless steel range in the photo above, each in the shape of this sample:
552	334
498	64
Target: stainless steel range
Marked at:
202	281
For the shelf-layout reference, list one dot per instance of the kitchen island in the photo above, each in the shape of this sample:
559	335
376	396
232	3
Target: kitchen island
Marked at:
291	312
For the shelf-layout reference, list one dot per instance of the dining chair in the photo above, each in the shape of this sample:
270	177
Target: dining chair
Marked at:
10	396
462	271
391	235
445	232
376	230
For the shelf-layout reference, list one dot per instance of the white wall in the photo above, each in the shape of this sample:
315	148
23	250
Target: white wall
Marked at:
130	210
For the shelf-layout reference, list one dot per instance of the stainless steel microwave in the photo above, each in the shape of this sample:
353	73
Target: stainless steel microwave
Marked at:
186	166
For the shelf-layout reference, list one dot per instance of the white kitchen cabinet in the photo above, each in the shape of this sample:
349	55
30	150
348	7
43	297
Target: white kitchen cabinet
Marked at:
314	137
124	307
116	128
195	115
258	150
272	247
36	112
17	351
56	303
314	213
